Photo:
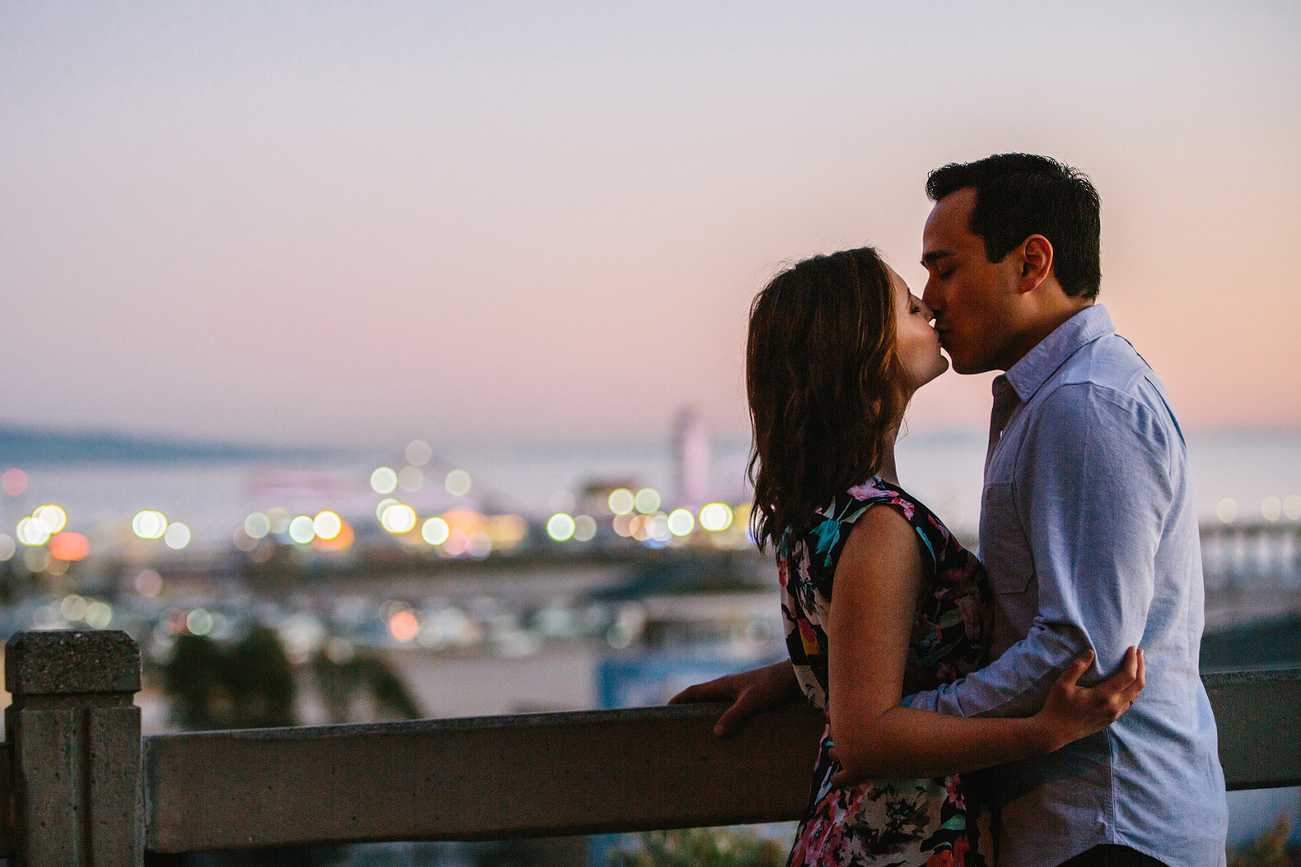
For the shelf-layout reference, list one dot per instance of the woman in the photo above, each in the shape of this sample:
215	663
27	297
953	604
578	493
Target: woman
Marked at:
837	347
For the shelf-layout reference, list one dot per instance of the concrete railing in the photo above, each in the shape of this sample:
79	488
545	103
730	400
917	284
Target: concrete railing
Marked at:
82	788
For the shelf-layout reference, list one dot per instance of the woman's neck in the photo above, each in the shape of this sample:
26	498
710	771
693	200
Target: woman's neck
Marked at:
887	470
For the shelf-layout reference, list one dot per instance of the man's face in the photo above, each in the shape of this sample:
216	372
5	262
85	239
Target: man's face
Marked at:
973	298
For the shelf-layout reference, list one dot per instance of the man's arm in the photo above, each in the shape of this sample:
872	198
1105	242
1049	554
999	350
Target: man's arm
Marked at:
1092	487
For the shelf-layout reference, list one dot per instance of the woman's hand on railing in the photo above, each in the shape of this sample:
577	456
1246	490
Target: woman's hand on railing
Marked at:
750	692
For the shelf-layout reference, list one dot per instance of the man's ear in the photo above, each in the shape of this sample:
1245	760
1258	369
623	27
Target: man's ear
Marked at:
1036	262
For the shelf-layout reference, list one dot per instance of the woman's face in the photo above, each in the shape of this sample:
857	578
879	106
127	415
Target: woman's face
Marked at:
916	342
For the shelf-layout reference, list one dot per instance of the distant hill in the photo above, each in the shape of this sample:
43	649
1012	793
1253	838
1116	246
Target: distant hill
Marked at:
21	446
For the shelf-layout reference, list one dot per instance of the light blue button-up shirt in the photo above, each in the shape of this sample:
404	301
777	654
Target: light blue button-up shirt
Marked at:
1089	532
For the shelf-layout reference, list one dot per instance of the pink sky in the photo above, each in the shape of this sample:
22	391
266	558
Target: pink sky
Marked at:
356	223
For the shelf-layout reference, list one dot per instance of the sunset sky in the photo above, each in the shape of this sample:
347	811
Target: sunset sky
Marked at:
353	223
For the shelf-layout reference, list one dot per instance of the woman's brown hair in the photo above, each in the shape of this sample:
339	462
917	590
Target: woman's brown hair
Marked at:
823	383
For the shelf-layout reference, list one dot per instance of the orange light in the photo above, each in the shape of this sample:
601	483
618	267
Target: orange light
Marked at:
69	546
343	540
403	626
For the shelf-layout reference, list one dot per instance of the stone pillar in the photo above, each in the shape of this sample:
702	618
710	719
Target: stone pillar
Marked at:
75	739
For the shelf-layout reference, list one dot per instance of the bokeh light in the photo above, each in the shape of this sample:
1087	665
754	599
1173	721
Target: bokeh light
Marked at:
327	524
383	480
73	607
647	500
32	532
418	453
257	525
411	479
435	531
403	626
7	547
149	524
382	505
1227	510
681	522
302	529
279	519
69	547
149	583
584	528
99	615
621	501
1292	507
458	483
479	545
715	517
53	516
560	527
657	527
1271	509
13	482
398	518
176	536
199	621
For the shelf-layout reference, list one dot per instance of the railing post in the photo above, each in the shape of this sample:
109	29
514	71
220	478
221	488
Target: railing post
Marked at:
75	737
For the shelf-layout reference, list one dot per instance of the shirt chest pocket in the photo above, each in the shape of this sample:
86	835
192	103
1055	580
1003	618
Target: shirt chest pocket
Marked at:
1004	547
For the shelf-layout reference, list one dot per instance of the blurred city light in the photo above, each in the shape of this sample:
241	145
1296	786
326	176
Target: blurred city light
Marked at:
647	500
13	482
681	522
199	621
148	524
458	483
623	524
403	626
327	524
73	607
418	453
435	531
715	517
32	532
176	536
69	547
621	501
279	519
257	525
398	518
383	480
657	527
1227	510
53	516
411	479
1272	508
479	545
458	542
382	505
1292	507
560	527
302	529
7	547
340	541
584	528
99	615
149	583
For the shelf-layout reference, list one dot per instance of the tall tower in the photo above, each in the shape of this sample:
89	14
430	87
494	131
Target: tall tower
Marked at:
691	457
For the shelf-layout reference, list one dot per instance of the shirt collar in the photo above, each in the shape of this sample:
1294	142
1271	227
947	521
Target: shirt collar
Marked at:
1041	362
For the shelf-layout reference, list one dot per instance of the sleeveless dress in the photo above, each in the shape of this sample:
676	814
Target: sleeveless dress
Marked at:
887	822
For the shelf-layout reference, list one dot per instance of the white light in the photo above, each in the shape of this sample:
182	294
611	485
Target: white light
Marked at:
681	522
257	525
7	547
302	529
383	480
584	528
458	483
398	518
1227	510
199	621
382	505
621	501
1272	508
418	453
657	527
715	517
560	527
54	517
148	524
32	532
411	479
177	536
647	500
1292	507
73	607
435	531
99	615
327	524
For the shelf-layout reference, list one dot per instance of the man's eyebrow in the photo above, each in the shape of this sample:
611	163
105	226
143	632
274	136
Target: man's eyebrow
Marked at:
933	256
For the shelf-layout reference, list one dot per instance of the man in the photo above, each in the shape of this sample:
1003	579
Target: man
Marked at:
1088	528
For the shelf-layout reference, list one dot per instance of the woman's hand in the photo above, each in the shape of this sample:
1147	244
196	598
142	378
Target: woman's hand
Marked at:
1072	711
750	692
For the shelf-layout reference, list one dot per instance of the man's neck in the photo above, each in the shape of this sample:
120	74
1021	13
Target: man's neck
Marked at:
1044	322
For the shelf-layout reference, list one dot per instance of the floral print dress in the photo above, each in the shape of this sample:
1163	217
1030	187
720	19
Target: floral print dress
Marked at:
887	822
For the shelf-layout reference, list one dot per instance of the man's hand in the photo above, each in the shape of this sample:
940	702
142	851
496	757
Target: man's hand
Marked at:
750	692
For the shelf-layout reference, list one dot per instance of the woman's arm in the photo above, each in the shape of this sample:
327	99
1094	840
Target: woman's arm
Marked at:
877	583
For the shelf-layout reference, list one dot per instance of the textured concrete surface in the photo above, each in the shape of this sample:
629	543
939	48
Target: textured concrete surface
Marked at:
64	662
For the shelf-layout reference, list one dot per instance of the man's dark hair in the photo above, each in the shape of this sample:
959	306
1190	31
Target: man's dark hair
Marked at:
1019	195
